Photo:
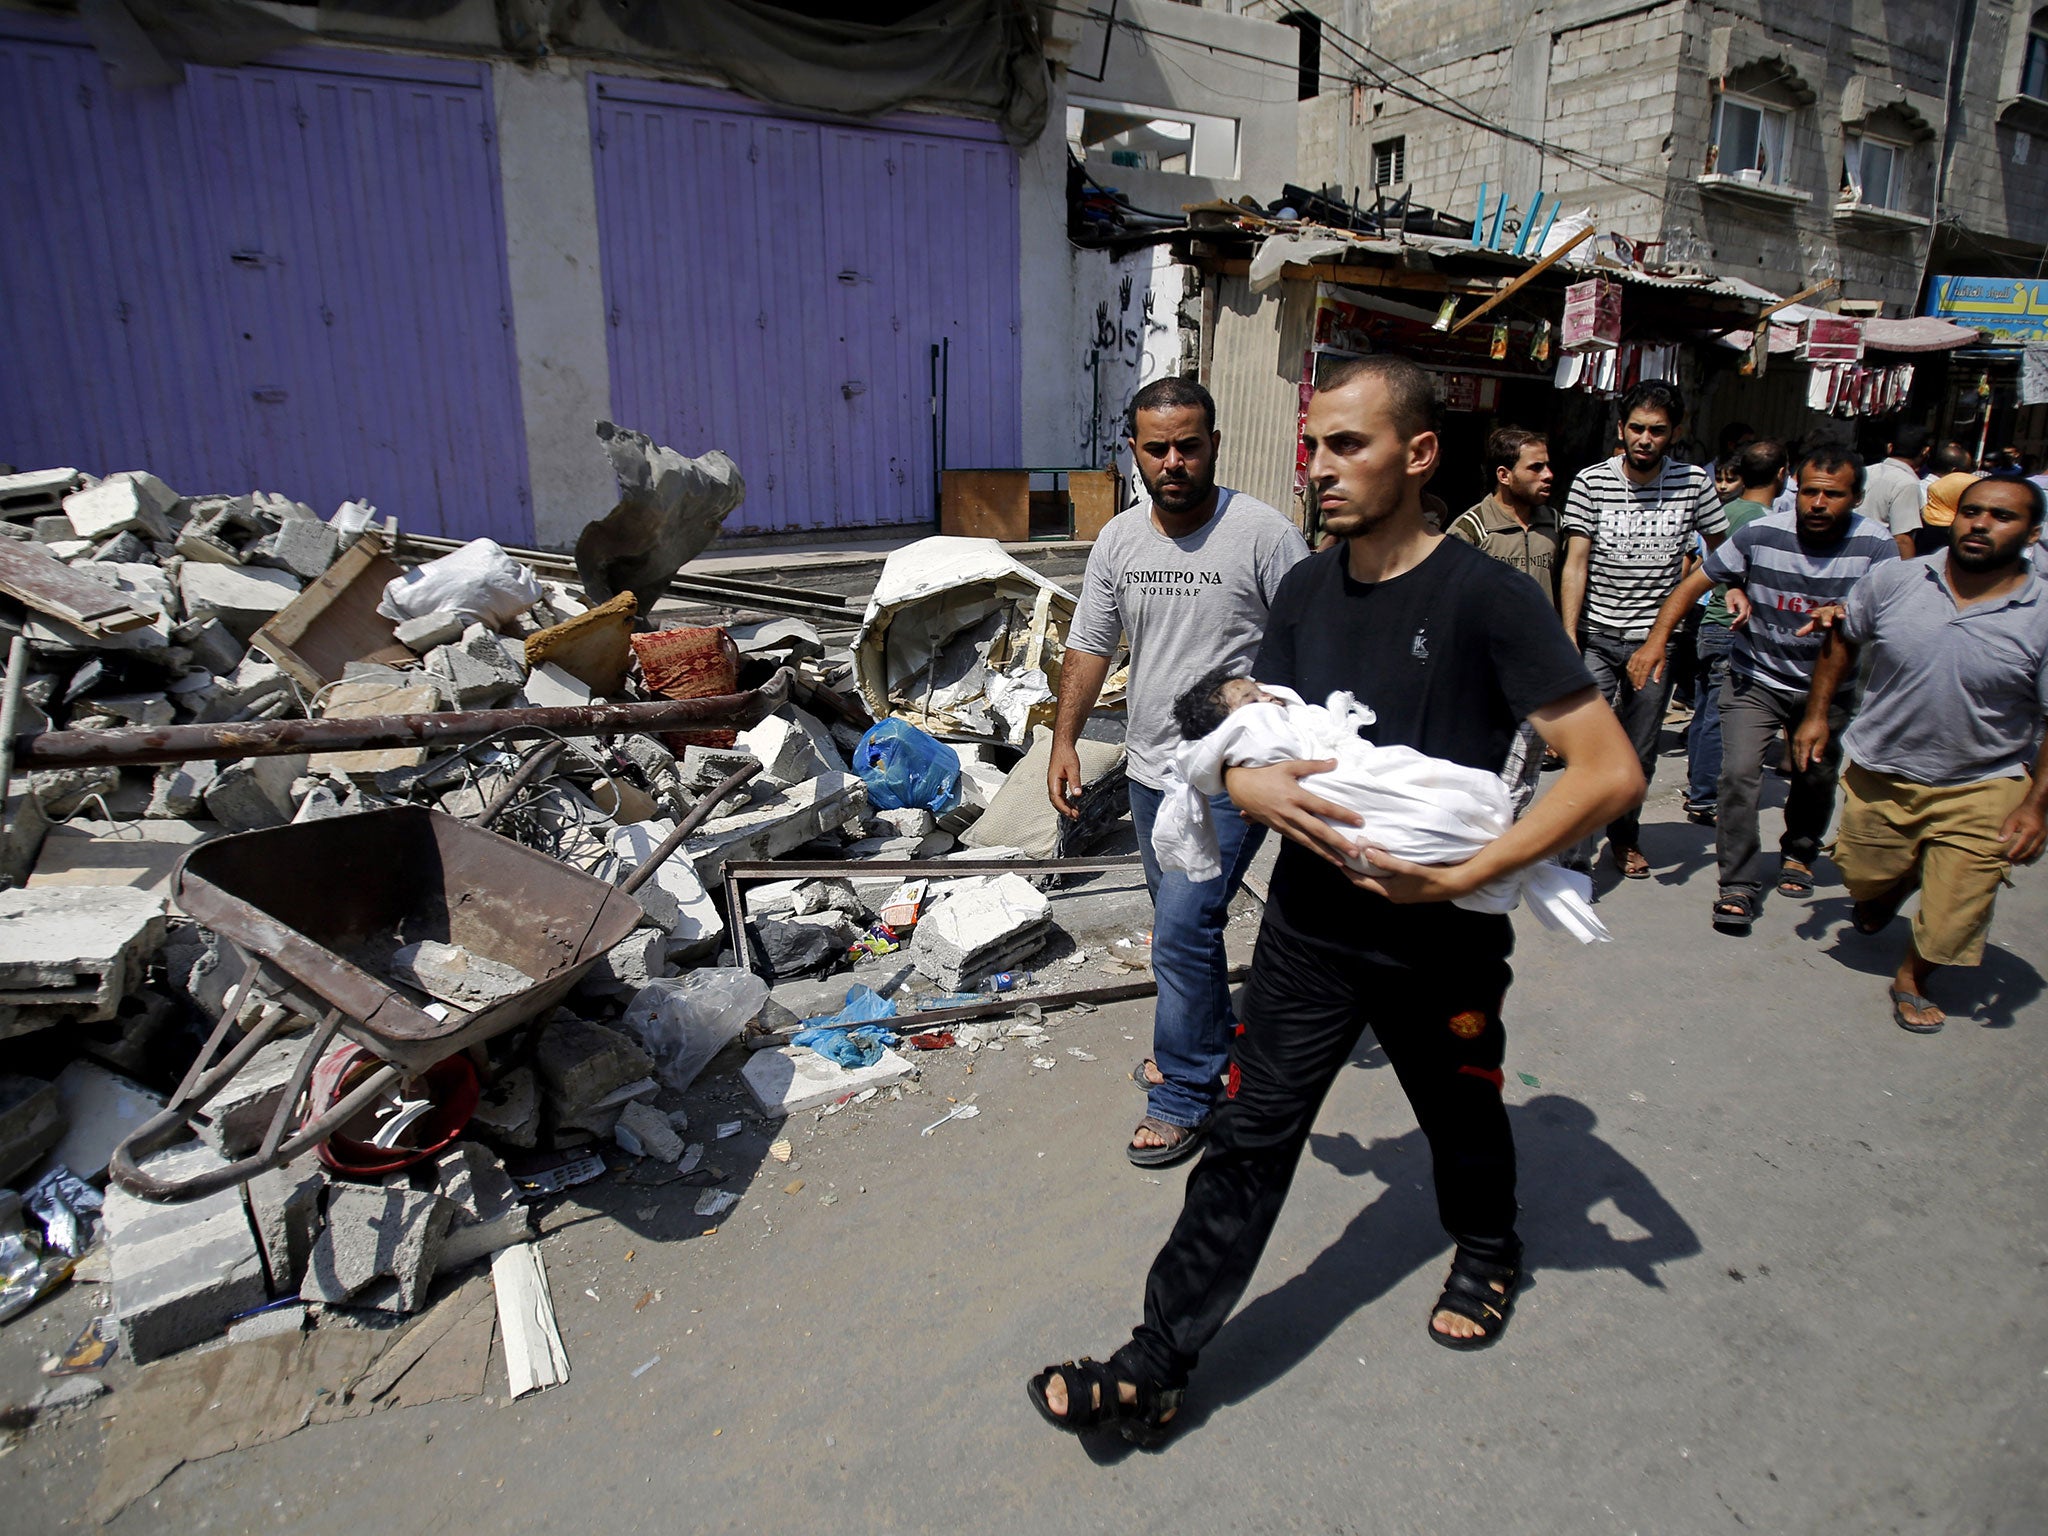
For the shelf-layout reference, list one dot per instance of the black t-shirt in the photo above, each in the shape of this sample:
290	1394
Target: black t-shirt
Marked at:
1451	656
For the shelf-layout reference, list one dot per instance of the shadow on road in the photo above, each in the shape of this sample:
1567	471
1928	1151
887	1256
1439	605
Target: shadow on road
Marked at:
1566	1172
1992	993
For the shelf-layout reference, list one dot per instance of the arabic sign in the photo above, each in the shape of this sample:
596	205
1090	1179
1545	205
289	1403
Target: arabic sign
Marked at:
2003	308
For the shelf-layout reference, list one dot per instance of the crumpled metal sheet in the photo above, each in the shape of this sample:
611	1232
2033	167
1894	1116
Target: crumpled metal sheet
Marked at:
961	639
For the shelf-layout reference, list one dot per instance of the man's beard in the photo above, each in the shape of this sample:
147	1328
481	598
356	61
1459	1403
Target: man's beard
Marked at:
1178	495
1990	560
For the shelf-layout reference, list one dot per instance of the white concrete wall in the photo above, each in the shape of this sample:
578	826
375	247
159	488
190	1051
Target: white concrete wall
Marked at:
558	319
1076	315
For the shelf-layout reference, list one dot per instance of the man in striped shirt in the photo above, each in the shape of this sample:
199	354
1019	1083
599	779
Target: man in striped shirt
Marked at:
1779	569
1628	525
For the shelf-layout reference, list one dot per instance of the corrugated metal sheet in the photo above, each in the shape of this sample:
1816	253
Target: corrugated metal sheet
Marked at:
1255	375
287	278
775	287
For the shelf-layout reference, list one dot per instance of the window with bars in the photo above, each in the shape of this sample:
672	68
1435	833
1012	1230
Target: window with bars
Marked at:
1390	162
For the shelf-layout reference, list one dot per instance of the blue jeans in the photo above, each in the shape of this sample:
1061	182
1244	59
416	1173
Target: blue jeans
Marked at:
1703	740
1192	1023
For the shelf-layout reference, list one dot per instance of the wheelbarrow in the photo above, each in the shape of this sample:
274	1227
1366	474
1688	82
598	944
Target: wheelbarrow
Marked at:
309	907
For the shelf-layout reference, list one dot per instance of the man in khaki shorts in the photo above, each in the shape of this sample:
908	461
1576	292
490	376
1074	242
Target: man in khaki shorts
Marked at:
1947	786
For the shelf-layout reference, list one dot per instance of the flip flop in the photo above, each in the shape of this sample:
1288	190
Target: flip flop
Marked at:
1182	1143
1901	1001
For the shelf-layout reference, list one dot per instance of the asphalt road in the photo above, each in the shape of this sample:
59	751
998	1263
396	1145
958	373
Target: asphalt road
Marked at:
1787	1275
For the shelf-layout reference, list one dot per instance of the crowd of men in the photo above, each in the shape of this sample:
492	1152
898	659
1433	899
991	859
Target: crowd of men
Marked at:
1882	629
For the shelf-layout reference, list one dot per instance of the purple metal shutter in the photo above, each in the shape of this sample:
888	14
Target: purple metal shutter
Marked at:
775	286
286	277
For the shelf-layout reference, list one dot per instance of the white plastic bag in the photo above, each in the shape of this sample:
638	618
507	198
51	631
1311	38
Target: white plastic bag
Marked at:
479	581
687	1021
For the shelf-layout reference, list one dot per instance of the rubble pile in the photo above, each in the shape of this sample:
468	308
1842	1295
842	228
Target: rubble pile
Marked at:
127	604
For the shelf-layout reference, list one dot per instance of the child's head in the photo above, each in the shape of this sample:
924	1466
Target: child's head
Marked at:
1212	697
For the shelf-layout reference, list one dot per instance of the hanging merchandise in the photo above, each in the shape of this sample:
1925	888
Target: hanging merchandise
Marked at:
1539	344
1499	349
1592	314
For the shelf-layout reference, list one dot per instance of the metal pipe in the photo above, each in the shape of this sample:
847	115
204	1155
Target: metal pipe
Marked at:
536	764
699	814
274	738
1009	1002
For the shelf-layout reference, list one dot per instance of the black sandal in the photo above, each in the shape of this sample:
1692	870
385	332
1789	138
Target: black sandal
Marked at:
1469	1293
1795	880
1094	1399
1182	1143
1735	912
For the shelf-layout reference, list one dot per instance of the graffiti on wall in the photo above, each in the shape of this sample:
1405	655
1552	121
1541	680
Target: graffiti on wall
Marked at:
1134	339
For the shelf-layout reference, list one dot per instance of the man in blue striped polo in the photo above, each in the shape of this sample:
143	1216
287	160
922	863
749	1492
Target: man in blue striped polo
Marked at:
1778	570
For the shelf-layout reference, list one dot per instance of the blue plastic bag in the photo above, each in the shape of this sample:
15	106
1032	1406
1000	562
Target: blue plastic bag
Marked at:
905	769
850	1036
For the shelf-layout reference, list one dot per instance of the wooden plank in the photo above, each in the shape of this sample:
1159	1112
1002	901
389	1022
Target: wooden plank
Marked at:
1521	282
534	1356
32	575
335	620
986	504
1093	493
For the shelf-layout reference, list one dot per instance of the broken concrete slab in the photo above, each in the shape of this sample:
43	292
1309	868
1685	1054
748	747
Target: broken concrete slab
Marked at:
31	1122
774	826
181	1270
242	598
785	639
640	957
304	546
786	752
979	930
180	789
488	1212
72	953
674	897
581	1062
510	1109
254	684
254	793
131	499
361	699
284	1209
790	1079
430	630
374	1236
101	1110
644	1131
456	975
237	1116
549	687
138	854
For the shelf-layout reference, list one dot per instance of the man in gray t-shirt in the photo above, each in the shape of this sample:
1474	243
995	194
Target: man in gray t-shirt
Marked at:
1893	494
1186	578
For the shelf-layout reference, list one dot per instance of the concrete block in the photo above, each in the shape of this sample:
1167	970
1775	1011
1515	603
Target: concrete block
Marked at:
100	1111
255	792
789	638
488	1212
790	1079
705	768
402	693
241	598
430	630
268	1323
787	754
74	952
320	803
180	1270
475	682
820	739
304	546
675	898
455	975
580	1062
373	1236
240	1113
640	957
284	1209
255	682
131	499
644	1131
179	790
510	1109
772	827
135	708
911	821
31	1122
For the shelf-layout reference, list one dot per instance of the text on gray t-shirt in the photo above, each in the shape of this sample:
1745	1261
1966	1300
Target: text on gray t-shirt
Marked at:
1186	605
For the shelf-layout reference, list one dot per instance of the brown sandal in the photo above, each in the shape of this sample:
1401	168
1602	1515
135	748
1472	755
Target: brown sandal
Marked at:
1632	864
